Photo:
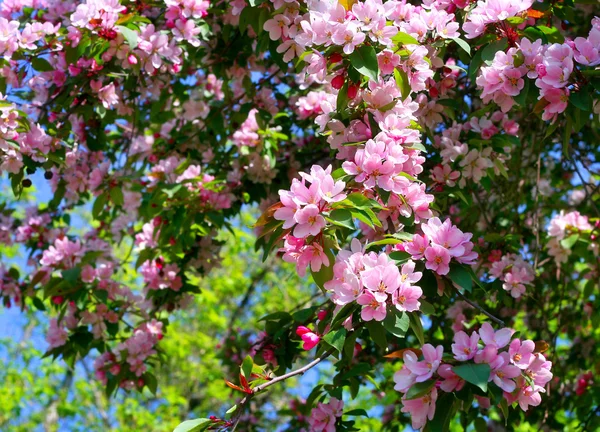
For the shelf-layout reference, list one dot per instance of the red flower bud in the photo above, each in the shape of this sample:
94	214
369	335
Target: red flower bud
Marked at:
338	82
335	58
352	91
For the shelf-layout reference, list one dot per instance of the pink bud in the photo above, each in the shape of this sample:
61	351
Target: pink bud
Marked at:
301	330
310	341
132	59
322	314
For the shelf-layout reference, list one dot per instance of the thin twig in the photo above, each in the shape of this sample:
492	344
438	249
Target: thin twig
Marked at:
482	310
260	388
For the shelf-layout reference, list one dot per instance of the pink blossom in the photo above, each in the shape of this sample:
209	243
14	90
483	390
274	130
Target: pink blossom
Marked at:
349	36
465	347
310	221
498	339
310	338
420	409
521	353
373	308
451	382
438	259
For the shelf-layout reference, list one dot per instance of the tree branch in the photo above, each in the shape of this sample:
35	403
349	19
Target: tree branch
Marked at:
261	387
482	310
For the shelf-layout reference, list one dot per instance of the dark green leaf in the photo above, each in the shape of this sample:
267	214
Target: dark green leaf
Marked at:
336	339
41	65
396	322
461	277
377	333
417	327
476	374
420	389
364	60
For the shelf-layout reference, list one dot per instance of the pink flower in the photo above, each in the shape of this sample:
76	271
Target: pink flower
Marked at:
521	353
416	248
513	283
310	221
310	338
404	378
465	347
438	259
420	409
513	81
324	416
277	26
498	339
432	357
528	397
373	308
57	335
349	36
539	370
451	382
503	373
387	61
381	280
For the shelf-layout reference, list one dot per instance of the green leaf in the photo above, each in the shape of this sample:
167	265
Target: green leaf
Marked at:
377	333
130	36
534	33
39	305
402	38
420	389
552	34
246	368
417	327
400	256
463	44
71	276
357	412
99	205
444	411
342	98
342	217
582	99
396	322
461	277
336	338
488	53
198	425
364	60
151	383
41	65
504	409
568	242
402	82
116	195
476	374
325	274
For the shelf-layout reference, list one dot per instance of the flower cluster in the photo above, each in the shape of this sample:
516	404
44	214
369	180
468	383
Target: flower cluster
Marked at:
514	365
559	228
514	272
488	12
374	281
551	65
441	242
